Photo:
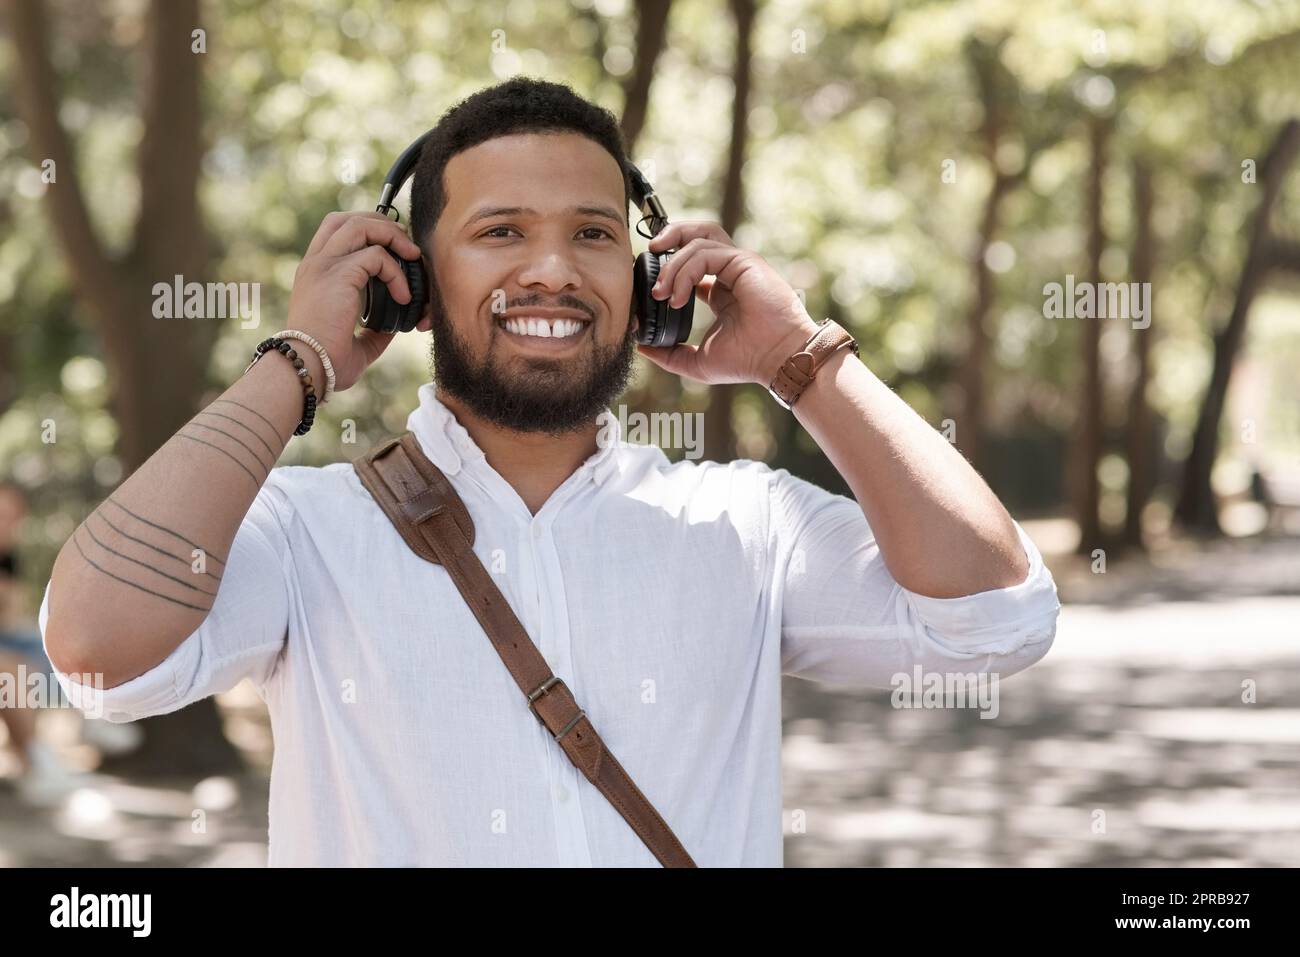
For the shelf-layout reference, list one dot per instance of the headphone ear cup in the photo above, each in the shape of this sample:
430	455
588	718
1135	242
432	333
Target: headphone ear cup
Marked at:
647	308
378	306
383	313
417	282
661	324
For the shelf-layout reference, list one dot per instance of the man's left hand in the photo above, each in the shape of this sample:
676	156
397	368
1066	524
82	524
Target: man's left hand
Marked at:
759	320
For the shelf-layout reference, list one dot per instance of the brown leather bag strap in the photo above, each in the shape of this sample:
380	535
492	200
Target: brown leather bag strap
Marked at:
434	522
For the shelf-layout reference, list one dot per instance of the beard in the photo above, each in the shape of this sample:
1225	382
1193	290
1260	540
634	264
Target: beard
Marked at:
548	396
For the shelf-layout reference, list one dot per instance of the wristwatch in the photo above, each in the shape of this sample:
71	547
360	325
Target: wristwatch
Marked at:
801	368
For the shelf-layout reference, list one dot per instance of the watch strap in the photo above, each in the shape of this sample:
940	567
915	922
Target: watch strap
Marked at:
801	368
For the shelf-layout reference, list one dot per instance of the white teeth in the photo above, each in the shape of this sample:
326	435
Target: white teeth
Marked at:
542	328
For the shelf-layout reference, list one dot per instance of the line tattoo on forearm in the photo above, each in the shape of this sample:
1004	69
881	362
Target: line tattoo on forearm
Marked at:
283	441
140	518
125	581
256	481
256	458
125	573
136	561
274	454
151	546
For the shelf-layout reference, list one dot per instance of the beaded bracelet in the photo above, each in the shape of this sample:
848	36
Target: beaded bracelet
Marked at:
320	351
309	401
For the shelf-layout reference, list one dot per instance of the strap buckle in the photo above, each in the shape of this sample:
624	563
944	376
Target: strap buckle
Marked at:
542	689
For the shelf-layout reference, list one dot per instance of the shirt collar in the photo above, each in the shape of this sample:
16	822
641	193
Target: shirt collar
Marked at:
449	446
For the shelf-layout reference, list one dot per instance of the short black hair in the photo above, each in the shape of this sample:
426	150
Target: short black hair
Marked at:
518	105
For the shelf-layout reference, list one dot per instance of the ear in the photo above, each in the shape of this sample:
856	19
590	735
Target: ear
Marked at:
426	316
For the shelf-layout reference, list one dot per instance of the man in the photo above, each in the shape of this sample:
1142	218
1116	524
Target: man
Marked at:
669	597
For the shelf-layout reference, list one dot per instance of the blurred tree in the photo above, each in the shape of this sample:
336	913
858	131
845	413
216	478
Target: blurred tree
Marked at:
1265	252
720	437
997	93
652	27
1141	433
1087	447
156	380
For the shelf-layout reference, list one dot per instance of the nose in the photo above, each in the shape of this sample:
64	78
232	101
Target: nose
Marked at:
551	269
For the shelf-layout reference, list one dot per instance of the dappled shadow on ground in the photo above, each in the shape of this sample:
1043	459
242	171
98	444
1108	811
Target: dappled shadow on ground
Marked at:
1087	764
1134	742
1185	571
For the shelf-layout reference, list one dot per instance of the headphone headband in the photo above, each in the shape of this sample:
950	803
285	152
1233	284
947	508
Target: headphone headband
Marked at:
658	323
644	194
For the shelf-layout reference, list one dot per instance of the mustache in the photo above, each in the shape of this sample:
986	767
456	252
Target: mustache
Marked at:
563	302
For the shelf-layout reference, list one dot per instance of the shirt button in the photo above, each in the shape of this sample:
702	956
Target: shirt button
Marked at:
537	531
562	793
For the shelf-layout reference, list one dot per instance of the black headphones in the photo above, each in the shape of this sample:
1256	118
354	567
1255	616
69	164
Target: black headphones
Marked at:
660	324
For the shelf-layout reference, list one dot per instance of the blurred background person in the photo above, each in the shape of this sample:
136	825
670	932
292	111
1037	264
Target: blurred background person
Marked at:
39	771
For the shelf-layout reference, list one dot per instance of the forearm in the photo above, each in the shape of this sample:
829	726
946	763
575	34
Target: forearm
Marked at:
142	571
941	531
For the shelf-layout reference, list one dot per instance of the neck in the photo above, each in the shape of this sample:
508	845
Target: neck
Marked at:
534	463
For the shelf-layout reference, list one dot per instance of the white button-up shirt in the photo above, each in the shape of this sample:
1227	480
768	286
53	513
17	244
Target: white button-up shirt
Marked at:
670	597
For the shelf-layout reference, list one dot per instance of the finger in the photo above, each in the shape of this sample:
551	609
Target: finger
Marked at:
726	263
364	230
678	261
704	261
331	224
377	261
675	235
328	226
425	323
679	234
682	360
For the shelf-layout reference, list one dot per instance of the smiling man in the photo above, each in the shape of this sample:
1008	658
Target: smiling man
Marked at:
669	597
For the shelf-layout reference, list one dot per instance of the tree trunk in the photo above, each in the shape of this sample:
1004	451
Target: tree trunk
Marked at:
156	372
1197	511
972	431
1088	443
720	438
661	391
652	28
1141	438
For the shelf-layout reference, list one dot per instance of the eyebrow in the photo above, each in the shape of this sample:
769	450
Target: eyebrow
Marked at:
489	212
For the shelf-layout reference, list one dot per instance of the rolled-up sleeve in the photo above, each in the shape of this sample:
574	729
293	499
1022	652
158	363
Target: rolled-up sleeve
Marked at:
845	621
242	636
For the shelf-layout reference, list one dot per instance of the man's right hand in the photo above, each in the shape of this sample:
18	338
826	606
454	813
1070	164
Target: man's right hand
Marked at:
329	290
